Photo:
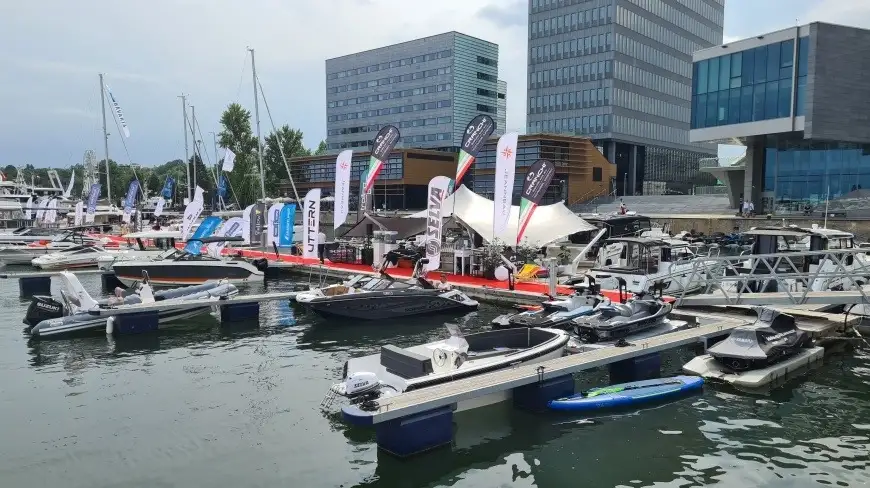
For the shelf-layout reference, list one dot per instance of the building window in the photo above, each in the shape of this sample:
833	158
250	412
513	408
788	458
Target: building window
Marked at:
486	108
487	61
596	174
487	77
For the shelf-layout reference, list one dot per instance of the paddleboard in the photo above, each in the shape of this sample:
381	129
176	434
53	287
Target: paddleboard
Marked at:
628	393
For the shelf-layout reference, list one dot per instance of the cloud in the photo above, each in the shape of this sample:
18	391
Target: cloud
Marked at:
512	15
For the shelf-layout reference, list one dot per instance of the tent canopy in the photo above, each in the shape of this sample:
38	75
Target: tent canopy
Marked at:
549	223
405	227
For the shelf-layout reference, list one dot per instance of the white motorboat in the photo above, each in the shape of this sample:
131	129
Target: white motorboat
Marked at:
350	285
149	244
25	253
396	370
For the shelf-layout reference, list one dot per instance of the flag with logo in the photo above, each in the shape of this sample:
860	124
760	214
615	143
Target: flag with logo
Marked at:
233	227
286	225
476	134
118	113
537	181
205	229
384	143
437	190
505	169
311	223
342	187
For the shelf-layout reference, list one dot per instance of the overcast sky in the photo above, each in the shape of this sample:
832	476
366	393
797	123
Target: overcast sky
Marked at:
153	51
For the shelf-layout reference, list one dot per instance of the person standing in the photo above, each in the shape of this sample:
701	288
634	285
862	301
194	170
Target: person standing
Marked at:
321	245
751	209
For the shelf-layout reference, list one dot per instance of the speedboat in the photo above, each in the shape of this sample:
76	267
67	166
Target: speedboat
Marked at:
612	321
386	298
556	313
75	311
396	370
351	285
180	267
150	244
86	257
760	353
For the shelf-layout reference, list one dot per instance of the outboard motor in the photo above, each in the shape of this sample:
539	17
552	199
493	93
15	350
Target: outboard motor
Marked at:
261	264
43	308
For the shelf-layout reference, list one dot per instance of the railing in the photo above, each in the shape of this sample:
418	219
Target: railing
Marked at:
711	190
784	272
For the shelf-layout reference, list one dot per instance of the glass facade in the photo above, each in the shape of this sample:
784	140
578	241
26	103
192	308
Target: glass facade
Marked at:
801	172
324	171
527	153
750	85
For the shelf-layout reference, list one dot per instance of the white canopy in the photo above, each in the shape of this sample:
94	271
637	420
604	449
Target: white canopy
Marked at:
549	223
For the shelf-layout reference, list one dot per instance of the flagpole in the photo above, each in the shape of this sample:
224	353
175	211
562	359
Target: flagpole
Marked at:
186	166
105	138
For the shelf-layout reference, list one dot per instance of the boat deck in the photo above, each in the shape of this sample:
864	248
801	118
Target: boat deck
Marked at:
183	305
462	390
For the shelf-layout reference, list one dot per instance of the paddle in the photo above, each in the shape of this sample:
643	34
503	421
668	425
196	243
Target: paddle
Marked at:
594	392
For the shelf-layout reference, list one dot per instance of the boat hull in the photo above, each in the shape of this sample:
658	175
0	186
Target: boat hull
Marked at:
375	306
56	327
708	367
180	274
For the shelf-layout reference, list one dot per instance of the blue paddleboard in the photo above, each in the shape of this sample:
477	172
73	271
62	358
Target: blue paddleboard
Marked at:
628	393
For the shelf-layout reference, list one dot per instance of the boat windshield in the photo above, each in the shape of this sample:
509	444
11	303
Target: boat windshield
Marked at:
380	284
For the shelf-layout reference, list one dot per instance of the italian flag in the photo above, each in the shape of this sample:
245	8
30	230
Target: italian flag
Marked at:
465	162
374	168
527	208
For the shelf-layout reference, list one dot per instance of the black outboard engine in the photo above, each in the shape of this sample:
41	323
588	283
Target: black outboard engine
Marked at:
43	308
261	264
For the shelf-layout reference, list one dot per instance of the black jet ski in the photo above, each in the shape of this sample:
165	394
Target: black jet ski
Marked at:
770	339
611	321
556	313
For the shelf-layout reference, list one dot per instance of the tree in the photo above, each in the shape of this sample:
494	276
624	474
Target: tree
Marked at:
291	143
321	149
238	137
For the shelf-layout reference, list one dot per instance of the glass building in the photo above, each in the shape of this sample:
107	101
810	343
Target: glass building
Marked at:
620	72
429	88
799	102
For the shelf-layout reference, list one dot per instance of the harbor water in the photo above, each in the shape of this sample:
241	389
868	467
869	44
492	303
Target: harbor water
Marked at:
212	406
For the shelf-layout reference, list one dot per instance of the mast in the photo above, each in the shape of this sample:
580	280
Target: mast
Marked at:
186	165
217	166
257	119
193	138
105	138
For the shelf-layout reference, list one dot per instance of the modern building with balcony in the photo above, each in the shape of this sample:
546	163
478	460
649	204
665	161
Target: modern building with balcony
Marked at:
401	184
582	172
799	100
429	88
620	72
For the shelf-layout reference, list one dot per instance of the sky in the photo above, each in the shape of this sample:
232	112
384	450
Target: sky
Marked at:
152	52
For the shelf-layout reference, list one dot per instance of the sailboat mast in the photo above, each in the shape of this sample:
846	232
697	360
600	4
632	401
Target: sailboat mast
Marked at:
193	138
105	138
186	165
257	119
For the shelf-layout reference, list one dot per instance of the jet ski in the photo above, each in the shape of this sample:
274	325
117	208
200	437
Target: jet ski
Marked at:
47	316
611	321
556	313
772	338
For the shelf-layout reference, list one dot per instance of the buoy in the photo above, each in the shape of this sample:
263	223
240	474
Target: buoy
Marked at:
110	325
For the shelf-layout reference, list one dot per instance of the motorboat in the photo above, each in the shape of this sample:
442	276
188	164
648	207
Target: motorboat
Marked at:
556	313
179	267
75	311
25	253
88	256
396	370
612	321
350	285
385	297
151	244
770	339
643	261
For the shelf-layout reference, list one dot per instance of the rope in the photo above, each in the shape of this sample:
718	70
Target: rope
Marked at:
241	76
280	143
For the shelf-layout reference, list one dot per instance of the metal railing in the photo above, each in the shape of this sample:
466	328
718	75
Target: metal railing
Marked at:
720	162
711	190
788	273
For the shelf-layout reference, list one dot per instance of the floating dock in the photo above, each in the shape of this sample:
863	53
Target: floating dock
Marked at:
413	422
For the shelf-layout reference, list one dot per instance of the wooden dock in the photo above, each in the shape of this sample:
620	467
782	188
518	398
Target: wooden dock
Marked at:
499	381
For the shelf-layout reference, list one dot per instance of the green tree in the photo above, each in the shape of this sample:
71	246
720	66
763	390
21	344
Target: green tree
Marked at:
321	149
238	137
291	143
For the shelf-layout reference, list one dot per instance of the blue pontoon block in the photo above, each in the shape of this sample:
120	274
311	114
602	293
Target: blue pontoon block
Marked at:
240	312
644	367
535	396
136	323
416	433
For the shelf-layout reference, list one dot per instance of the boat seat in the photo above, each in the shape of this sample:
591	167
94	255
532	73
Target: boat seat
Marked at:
617	310
405	363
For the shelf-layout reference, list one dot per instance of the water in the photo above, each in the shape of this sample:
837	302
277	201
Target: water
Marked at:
237	406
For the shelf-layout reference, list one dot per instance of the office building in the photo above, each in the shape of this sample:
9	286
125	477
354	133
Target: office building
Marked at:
501	109
581	169
429	88
799	100
401	184
620	71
